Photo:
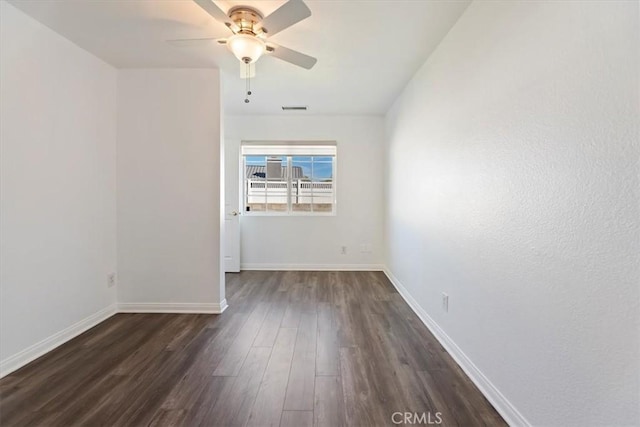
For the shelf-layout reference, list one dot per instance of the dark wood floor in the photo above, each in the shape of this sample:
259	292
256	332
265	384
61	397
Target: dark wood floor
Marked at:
294	348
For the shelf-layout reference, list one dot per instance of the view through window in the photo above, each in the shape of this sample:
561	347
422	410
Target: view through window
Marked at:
289	183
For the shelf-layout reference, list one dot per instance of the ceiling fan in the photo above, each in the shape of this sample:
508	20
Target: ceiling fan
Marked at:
251	31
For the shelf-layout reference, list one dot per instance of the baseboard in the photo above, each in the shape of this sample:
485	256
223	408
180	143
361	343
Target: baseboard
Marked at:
31	353
312	267
161	307
505	408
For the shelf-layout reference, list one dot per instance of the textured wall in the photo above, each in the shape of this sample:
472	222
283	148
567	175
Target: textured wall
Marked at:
58	184
520	134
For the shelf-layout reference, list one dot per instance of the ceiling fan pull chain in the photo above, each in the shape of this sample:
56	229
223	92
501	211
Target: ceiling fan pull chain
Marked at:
248	71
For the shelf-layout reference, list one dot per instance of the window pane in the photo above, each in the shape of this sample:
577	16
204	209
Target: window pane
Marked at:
322	184
322	171
254	160
277	185
275	168
257	207
255	189
266	184
300	184
323	159
301	167
301	207
322	207
306	159
277	195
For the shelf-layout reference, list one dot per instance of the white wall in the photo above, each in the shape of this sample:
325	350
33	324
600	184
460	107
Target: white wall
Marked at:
522	132
314	242
169	188
58	140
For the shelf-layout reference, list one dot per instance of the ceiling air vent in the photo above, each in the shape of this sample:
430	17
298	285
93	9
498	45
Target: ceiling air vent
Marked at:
294	108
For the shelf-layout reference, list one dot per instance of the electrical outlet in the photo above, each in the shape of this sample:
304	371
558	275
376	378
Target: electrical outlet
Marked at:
111	280
343	250
445	302
365	248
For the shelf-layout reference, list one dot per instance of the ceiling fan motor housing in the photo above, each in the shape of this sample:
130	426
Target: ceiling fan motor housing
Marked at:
246	18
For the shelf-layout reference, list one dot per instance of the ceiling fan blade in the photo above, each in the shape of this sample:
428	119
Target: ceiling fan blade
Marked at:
194	42
216	13
292	56
285	16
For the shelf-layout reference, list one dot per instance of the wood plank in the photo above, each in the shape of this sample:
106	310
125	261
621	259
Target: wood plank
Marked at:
327	359
293	310
267	409
328	407
362	405
300	389
269	330
200	413
309	294
297	419
234	407
211	356
232	362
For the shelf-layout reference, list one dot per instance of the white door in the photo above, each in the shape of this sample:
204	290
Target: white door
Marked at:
232	207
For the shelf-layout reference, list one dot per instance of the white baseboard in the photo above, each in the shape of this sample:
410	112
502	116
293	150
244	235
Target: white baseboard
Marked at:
179	307
312	267
29	354
505	408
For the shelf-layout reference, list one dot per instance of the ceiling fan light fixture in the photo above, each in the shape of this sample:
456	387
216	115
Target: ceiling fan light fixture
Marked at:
246	48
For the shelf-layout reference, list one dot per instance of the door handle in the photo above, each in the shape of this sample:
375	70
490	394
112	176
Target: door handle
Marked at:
235	213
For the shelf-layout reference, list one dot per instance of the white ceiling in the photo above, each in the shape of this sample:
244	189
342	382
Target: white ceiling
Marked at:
367	50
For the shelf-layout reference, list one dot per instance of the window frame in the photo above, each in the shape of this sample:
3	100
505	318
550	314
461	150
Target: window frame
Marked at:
295	149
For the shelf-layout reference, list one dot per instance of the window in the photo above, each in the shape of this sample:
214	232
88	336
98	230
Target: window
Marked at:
289	179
